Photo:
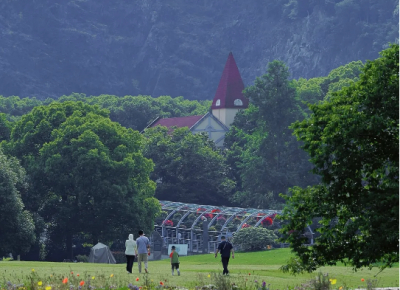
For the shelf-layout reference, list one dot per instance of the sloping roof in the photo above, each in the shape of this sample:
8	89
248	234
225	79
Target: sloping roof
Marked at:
230	87
209	114
179	122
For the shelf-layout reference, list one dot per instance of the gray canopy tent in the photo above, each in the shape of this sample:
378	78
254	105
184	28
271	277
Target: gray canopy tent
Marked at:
100	253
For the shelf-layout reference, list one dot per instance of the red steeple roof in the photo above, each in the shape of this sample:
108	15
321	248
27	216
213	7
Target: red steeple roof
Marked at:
230	88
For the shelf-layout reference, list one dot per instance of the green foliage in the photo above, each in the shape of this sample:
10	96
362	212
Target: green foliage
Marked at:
16	224
83	258
13	106
5	127
352	139
317	89
130	111
87	172
188	167
254	238
264	155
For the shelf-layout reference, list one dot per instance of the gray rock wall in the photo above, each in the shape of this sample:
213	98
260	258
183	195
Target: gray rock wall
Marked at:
53	47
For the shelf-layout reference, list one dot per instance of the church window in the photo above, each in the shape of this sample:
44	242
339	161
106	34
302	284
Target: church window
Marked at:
218	102
238	102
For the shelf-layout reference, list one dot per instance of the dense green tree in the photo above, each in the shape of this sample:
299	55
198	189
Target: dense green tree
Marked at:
5	127
28	136
271	160
352	139
254	238
188	167
130	111
318	89
90	170
13	106
16	224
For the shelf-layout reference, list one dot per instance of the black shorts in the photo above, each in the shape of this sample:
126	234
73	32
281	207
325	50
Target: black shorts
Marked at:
175	266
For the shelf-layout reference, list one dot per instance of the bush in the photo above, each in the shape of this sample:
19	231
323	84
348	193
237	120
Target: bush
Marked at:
254	239
82	258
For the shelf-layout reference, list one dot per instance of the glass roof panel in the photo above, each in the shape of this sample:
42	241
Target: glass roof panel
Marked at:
170	205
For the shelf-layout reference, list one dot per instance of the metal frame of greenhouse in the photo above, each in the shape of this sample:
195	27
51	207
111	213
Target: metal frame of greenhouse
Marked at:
191	220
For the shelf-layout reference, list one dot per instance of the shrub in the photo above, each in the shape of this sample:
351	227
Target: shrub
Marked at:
82	258
254	239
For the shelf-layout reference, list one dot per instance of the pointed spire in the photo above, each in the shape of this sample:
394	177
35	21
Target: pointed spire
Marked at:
229	92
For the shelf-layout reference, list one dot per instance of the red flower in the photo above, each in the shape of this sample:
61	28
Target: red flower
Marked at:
267	221
245	225
216	210
200	209
168	223
82	283
161	283
77	275
137	279
208	215
65	280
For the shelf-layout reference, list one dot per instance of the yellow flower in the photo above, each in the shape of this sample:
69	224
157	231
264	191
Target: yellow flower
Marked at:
209	276
33	270
330	280
40	283
92	277
333	282
112	275
340	288
48	288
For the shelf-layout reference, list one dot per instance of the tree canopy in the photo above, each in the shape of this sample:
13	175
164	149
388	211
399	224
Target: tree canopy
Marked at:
87	172
188	167
352	139
16	224
265	156
130	111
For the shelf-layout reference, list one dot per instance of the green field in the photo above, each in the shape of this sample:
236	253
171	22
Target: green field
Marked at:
195	271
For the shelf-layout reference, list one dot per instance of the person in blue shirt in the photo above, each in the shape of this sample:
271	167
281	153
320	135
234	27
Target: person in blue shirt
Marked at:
143	250
225	248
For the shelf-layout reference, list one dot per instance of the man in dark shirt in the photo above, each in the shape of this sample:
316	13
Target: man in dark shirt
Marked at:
225	248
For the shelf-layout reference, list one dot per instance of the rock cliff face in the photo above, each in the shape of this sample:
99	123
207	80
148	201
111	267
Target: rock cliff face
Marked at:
179	48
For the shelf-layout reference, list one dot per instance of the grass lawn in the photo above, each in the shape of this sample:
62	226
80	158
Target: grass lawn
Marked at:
195	271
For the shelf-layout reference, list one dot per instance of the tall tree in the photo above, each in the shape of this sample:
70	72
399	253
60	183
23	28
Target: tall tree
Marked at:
16	224
352	139
271	160
188	167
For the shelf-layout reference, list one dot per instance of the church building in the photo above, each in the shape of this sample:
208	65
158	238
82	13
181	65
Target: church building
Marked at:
228	100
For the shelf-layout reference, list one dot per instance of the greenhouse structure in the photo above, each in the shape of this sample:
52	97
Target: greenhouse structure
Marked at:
201	226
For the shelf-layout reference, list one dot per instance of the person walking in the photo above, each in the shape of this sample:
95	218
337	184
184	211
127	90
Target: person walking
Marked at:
130	251
143	250
174	261
225	248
